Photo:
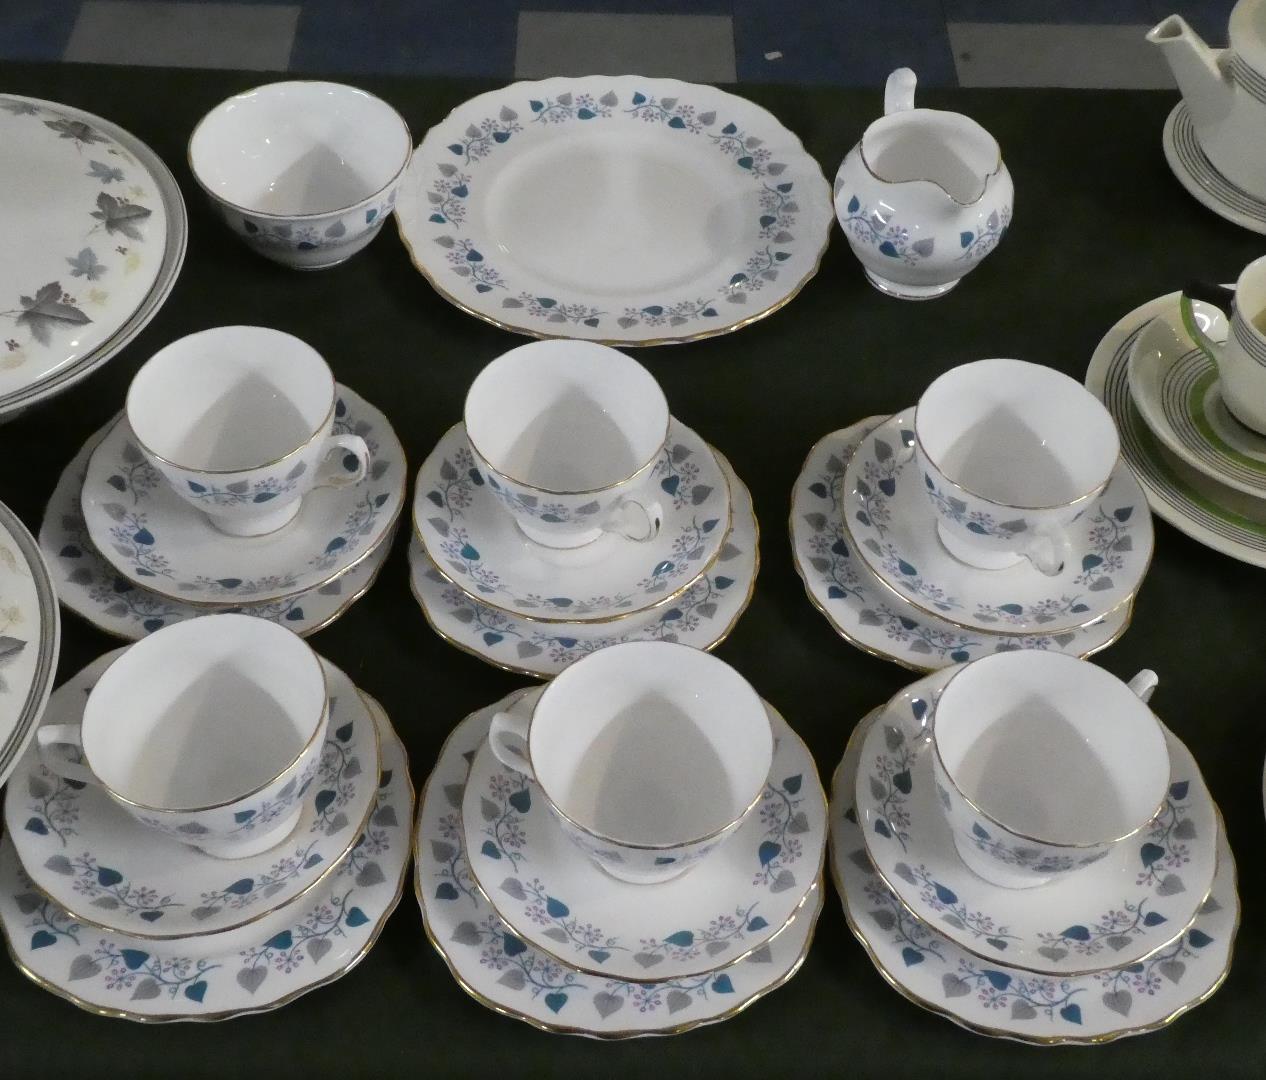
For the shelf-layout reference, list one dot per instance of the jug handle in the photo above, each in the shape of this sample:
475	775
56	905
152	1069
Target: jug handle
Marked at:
1217	295
899	91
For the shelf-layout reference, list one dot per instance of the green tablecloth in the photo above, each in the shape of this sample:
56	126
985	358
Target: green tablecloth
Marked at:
1101	226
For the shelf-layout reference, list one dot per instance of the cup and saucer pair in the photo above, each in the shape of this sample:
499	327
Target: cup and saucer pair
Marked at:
119	909
981	522
1013	937
543	907
569	511
136	542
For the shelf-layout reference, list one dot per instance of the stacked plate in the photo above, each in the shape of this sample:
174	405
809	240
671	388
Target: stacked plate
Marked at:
94	229
864	539
125	921
1201	469
532	929
130	556
532	609
1121	946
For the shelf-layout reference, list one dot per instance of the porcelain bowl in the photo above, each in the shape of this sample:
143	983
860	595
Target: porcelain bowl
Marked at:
304	172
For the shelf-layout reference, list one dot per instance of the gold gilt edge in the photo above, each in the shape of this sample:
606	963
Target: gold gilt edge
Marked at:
228	1014
983	1029
819	886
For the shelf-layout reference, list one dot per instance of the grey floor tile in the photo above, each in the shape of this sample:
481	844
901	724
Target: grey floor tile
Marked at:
1013	54
697	47
255	37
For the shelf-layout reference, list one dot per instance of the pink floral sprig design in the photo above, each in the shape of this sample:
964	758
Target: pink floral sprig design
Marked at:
917	941
145	975
558	922
1166	848
1150	977
49	923
1114	930
1026	997
785	823
307	942
953	911
109	889
1109	542
714	939
568	106
891	780
504	810
54	805
479	140
521	966
449	849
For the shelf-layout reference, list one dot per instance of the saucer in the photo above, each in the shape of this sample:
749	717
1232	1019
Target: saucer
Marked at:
499	969
870	615
30	638
91	588
556	899
621	209
1117	910
106	869
1175	387
1187	161
478	547
887	509
1212	514
251	969
994	999
154	538
702	616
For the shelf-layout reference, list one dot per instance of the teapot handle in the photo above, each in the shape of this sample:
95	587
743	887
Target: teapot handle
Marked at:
899	91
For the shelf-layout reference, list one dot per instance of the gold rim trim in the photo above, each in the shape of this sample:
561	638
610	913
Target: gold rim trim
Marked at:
871	650
566	1029
983	1029
379	713
997	166
484	601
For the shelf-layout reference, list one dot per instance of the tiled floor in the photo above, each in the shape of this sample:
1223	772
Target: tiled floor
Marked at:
840	42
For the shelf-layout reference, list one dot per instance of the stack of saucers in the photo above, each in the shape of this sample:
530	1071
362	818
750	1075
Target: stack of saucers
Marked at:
996	516
1003	930
105	900
628	881
570	512
242	478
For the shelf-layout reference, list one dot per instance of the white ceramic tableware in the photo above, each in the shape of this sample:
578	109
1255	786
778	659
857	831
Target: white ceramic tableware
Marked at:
305	172
649	755
209	731
566	433
923	197
1011	453
240	422
1043	762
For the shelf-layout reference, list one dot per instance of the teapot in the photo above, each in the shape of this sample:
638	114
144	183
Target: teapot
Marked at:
1224	91
923	197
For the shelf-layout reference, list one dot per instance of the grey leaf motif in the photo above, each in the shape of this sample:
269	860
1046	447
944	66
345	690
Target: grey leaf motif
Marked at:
784	881
336	230
83	967
250	979
352	768
706	611
954	986
1210	906
1170	885
715	948
1119	1001
904	872
763	955
609	99
677	1000
86	265
201	913
647	960
107	174
467	933
28	902
513	887
607	1003
1173	970
513	978
370	874
489	809
385	816
707	118
861	860
273	889
46	311
1117	942
447	170
318	947
192	828
75	129
1185	829
36	785
1022	1010
464	615
527	650
883	918
106	903
877	790
453	794
699	493
894	738
799	823
555	933
120	216
508	115
337	824
1052	953
923	247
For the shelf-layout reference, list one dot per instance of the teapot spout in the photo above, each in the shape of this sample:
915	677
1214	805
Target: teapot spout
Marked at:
1206	87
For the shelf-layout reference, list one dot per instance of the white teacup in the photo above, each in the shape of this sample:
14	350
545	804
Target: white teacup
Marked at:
567	434
1241	358
1010	454
239	420
209	731
648	754
1043	762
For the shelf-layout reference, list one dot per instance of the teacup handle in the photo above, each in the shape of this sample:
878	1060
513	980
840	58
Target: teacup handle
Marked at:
652	520
51	735
349	467
1144	683
1048	551
899	91
508	735
1220	297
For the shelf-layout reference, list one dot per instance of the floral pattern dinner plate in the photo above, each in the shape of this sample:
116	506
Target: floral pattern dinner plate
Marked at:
90	587
1118	910
157	540
103	867
251	969
30	636
992	998
94	229
475	543
867	613
621	209
501	970
888	511
702	616
555	898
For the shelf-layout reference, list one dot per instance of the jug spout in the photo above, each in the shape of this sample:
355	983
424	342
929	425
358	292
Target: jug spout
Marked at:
1206	87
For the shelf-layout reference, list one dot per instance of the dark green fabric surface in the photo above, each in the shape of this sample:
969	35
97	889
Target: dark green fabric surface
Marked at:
1100	227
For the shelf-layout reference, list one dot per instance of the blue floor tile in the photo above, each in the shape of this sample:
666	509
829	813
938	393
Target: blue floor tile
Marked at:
841	42
36	31
1124	12
634	7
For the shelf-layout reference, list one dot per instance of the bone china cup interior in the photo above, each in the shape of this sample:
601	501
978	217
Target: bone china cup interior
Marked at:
207	730
1043	762
305	172
1010	453
238	419
649	754
567	432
